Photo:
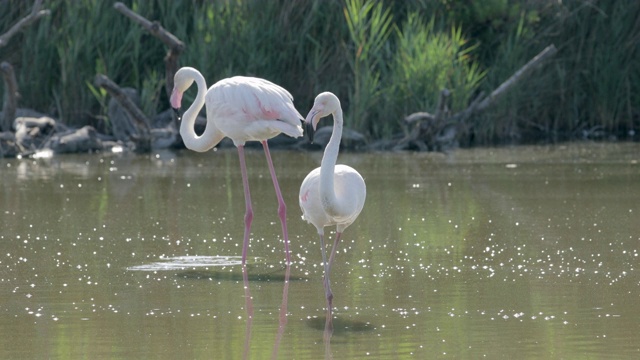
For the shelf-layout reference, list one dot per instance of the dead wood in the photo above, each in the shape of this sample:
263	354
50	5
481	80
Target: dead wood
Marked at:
441	131
8	145
35	14
425	126
142	137
84	139
517	76
176	47
32	133
11	96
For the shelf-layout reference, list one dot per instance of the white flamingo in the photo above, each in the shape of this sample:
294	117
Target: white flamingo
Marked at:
331	194
243	109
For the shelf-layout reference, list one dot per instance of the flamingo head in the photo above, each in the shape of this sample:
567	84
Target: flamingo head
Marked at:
182	80
325	104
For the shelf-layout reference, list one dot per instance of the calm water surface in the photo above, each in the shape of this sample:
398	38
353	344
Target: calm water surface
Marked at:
526	252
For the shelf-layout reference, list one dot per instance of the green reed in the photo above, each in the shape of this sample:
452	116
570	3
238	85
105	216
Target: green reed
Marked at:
590	89
384	60
426	61
370	26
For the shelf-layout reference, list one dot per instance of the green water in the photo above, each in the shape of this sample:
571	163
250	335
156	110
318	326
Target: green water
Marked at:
526	252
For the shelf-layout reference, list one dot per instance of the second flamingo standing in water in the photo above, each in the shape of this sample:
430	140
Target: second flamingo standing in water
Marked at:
331	194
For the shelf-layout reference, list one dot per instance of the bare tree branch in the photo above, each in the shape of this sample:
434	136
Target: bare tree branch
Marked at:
434	130
141	122
176	47
153	27
11	96
517	76
35	14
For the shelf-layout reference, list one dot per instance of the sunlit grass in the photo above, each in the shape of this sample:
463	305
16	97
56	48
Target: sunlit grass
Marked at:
427	61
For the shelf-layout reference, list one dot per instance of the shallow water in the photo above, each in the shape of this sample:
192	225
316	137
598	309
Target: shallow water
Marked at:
525	252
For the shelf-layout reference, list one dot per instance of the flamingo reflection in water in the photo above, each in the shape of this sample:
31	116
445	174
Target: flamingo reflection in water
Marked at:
282	320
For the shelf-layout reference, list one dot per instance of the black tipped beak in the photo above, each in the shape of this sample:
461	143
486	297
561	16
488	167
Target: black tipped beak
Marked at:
309	120
178	113
310	132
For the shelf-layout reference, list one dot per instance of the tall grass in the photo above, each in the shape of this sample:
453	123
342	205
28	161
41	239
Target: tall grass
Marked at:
590	89
400	69
384	60
370	26
426	61
62	55
602	65
289	42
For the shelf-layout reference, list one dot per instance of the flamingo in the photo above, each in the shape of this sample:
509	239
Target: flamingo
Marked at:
331	194
243	109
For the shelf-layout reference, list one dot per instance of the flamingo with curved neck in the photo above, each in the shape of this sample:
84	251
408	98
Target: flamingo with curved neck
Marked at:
331	194
211	136
243	109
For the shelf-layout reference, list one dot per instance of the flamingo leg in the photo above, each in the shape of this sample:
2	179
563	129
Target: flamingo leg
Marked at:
328	326
327	285
327	268
333	249
248	216
282	208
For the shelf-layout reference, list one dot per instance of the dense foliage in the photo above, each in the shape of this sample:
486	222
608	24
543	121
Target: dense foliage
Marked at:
385	60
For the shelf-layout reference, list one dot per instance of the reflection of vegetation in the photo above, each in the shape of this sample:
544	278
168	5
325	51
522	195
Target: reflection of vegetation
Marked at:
418	227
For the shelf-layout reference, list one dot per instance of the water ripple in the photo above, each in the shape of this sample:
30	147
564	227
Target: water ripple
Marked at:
186	262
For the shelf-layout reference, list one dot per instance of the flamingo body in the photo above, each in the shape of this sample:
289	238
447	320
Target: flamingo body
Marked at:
252	109
243	109
349	186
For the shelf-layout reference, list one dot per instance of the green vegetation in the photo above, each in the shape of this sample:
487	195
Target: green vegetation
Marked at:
384	60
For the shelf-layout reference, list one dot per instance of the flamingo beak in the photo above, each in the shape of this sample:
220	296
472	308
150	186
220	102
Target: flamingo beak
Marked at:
178	113
176	100
311	123
310	131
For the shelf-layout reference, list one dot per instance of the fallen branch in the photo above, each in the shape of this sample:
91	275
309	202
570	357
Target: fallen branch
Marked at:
11	96
140	121
435	131
465	114
84	139
176	47
517	76
425	125
35	14
152	26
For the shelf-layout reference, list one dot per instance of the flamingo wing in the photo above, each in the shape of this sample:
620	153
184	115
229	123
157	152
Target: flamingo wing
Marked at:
257	98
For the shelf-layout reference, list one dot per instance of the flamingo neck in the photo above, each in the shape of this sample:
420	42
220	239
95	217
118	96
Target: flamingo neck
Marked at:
330	202
211	136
